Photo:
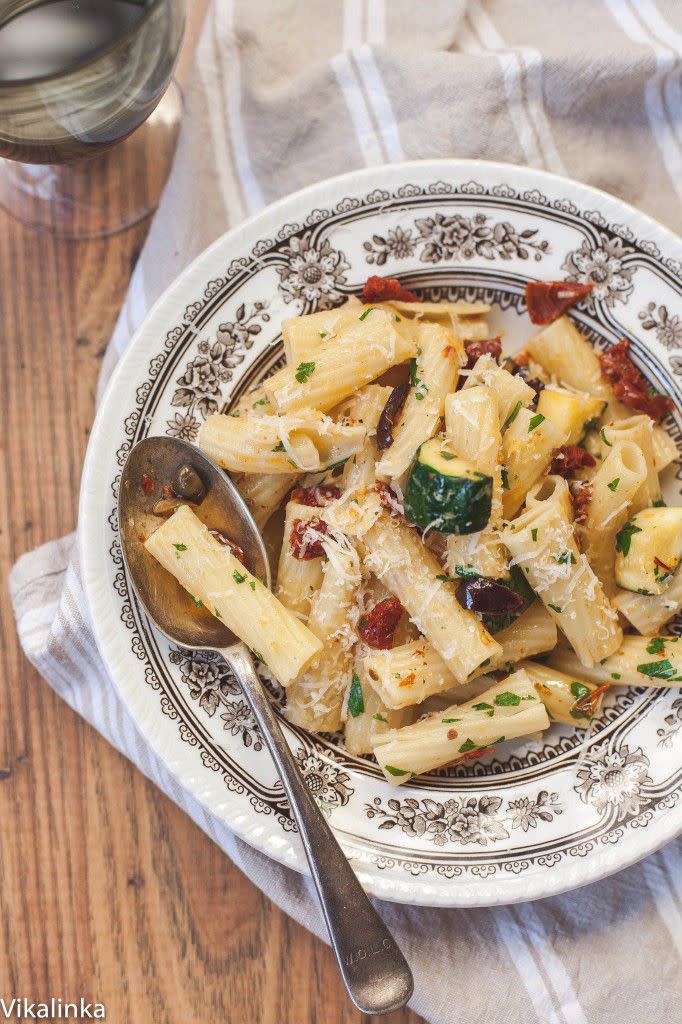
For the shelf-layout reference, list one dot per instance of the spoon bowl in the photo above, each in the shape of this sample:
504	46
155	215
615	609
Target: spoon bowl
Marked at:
157	461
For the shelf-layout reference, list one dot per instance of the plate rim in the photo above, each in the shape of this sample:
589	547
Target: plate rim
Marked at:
413	890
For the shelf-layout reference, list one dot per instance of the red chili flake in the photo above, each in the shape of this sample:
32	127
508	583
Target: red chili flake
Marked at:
408	680
305	541
662	565
373	675
630	385
486	347
168	492
580	499
147	484
588	703
386	289
227	543
388	498
548	300
378	626
568	458
316	497
452	734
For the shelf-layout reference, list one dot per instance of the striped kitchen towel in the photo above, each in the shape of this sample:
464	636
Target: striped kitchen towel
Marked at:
285	94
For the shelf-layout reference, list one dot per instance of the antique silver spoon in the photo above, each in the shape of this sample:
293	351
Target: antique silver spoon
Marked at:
374	970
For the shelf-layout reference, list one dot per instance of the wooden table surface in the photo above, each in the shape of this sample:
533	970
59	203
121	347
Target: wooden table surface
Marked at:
107	890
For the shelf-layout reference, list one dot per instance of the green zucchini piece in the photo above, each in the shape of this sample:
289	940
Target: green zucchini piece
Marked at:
649	550
446	492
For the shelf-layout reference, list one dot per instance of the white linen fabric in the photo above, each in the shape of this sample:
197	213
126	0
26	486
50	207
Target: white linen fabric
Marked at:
285	94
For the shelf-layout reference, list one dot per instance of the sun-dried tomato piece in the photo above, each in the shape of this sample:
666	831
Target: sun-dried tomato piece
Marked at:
379	624
630	385
316	497
388	498
568	458
168	492
389	414
548	300
147	484
306	538
386	289
581	496
485	347
227	543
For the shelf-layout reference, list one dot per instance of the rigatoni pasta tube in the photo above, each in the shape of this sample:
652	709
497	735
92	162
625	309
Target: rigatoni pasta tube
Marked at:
315	698
303	441
212	575
298	579
640	431
649	614
566	697
360	353
397	557
639	661
366	716
505	711
543	544
409	673
527	448
473	430
612	489
264	493
510	390
434	373
303	335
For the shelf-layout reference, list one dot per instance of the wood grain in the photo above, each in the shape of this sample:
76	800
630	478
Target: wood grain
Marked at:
106	889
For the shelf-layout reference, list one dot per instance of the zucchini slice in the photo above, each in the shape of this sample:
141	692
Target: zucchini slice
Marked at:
572	411
649	550
446	492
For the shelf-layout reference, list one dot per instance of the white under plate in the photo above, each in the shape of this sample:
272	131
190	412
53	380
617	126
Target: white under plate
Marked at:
525	821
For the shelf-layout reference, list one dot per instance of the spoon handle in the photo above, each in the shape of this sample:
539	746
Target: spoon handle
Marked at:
374	970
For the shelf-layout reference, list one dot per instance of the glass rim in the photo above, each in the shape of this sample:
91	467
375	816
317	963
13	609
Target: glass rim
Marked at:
18	83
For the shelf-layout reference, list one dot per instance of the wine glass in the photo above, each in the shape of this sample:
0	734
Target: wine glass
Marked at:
77	80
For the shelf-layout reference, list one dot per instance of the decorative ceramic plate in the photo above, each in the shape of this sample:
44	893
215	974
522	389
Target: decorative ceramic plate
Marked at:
533	818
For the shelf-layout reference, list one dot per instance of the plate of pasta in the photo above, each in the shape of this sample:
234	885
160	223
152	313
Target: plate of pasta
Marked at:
450	392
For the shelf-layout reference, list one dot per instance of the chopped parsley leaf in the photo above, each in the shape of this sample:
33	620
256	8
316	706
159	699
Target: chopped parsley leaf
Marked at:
656	645
534	533
394	771
180	547
512	415
279	447
535	421
624	537
447	456
579	690
252	584
305	370
467	746
367	312
380	718
507	699
323	334
566	557
556	608
609	444
356	701
447	721
658	670
615	675
504	473
238	577
614	484
261	401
